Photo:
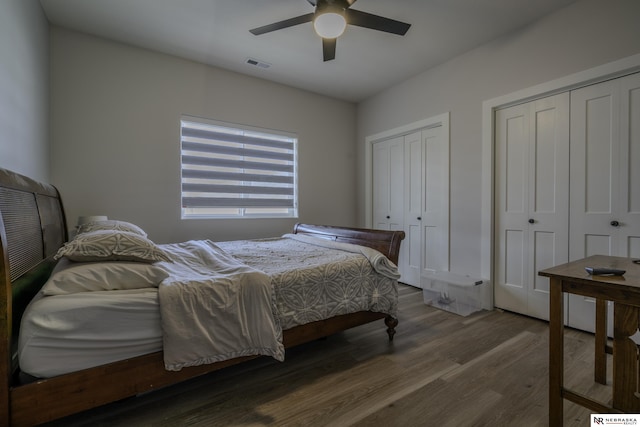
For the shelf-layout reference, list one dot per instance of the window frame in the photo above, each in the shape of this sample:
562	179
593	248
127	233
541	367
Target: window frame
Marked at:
236	144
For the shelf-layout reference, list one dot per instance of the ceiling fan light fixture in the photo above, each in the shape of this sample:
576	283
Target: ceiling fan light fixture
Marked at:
329	25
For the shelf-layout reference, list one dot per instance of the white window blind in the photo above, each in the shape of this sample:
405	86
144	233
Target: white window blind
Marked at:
237	171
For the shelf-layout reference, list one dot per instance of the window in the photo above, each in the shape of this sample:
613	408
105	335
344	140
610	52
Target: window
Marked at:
233	171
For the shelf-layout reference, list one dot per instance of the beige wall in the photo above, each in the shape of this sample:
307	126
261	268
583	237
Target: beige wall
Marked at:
24	88
115	115
583	35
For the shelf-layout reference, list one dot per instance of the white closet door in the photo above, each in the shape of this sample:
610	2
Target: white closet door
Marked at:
532	184
629	228
605	187
388	184
426	205
411	193
381	184
548	196
594	184
512	197
595	112
411	262
434	213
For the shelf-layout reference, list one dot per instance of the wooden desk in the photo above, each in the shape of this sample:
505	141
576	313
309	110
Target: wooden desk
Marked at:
624	291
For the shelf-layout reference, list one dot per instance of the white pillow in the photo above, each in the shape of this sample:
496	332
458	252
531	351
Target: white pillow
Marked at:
111	224
70	277
110	245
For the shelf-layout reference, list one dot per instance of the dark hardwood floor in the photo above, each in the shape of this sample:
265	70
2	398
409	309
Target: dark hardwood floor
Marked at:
487	369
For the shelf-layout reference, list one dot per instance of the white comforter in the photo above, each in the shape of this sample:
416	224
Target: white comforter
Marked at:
316	279
213	308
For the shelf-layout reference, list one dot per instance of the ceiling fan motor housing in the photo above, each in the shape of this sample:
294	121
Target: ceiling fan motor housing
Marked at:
331	6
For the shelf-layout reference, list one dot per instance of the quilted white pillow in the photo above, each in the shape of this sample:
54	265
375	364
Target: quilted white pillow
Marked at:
71	277
111	224
109	245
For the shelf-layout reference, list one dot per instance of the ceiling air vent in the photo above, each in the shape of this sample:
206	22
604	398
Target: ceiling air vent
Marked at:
257	63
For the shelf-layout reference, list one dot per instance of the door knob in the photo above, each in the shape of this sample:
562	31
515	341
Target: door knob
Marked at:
419	218
615	223
388	217
531	220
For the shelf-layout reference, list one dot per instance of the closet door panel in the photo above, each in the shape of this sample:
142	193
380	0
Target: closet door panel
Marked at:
512	154
431	249
413	258
511	292
594	168
412	263
546	151
532	157
544	256
434	212
545	244
595	144
629	228
599	146
381	185
396	184
548	196
413	176
388	184
515	151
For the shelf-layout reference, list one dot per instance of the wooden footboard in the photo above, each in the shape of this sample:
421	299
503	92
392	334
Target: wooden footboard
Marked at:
386	242
32	228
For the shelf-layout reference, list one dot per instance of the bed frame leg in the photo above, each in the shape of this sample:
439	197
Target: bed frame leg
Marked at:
391	323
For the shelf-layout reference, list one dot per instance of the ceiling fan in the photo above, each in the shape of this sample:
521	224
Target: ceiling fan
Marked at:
330	19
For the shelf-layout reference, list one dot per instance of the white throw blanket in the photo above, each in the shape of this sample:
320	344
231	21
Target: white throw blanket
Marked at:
378	261
215	308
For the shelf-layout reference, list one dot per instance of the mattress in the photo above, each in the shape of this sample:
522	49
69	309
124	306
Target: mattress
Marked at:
66	333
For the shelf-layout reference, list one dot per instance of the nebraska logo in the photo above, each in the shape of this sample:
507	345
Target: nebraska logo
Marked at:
615	419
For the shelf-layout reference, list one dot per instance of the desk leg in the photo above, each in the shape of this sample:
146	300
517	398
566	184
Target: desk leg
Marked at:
625	358
556	352
600	374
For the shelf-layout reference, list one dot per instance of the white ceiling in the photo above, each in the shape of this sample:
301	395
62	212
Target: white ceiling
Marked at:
216	32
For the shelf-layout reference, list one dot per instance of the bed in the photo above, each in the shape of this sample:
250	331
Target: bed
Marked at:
32	231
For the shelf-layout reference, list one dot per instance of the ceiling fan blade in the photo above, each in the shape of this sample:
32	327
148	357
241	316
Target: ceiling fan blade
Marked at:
302	19
375	22
328	49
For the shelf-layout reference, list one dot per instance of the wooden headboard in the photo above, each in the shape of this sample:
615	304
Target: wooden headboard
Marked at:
32	228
